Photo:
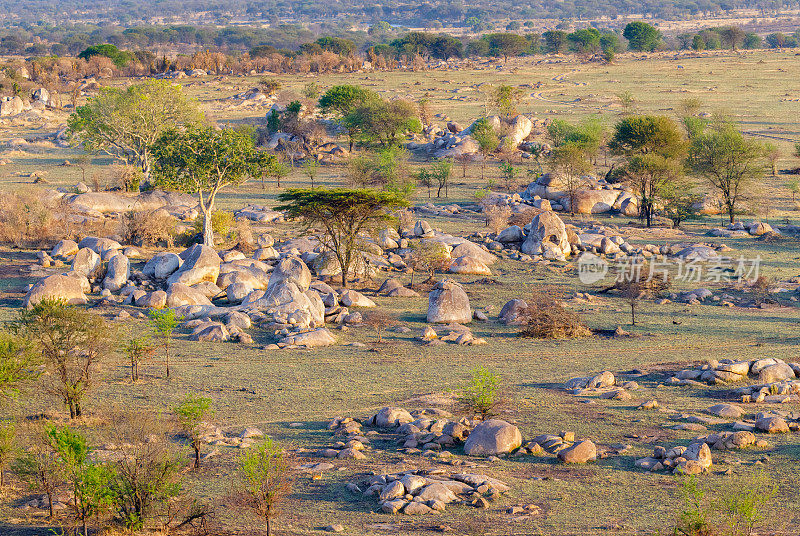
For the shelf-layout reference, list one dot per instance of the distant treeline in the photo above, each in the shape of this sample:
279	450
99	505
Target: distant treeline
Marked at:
430	14
381	39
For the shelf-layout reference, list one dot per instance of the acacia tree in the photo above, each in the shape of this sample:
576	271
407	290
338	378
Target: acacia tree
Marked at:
15	364
569	162
344	214
654	148
727	161
340	100
191	413
72	342
124	123
265	479
204	160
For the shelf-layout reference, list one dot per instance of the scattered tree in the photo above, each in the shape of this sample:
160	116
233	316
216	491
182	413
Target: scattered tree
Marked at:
126	123
428	256
71	342
265	479
344	214
16	360
138	349
147	474
204	161
7	448
379	321
164	323
481	396
642	36
191	413
727	161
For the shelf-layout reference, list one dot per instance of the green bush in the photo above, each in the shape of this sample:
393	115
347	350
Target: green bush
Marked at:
481	396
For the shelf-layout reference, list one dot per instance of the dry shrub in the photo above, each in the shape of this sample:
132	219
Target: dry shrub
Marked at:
496	217
244	234
525	217
126	177
547	318
379	321
762	288
405	220
25	221
428	256
148	228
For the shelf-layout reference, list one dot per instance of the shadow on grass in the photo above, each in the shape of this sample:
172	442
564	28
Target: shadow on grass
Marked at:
8	529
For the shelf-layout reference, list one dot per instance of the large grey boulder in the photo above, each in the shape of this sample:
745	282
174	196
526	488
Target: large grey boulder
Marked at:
447	302
56	287
117	273
470	249
162	265
179	294
391	417
87	263
200	263
492	437
311	339
513	312
582	452
64	249
291	270
547	236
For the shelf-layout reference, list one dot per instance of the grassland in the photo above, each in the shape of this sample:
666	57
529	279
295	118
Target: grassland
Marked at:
271	389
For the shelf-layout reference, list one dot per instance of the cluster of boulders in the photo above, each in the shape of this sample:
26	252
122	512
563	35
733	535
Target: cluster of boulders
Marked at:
690	460
741	229
213	435
349	440
768	371
595	196
86	205
458	142
421	431
451	333
428	491
603	384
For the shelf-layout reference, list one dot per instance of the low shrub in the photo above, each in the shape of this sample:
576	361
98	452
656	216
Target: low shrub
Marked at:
148	228
25	221
547	318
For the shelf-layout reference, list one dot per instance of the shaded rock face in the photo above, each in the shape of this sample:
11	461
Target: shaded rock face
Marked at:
582	452
179	294
492	437
547	234
447	302
201	263
57	287
118	272
162	265
87	263
290	270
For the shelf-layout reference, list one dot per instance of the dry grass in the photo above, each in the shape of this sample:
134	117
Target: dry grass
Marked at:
547	318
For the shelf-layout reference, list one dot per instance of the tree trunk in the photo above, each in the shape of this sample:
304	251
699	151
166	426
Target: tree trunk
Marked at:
166	354
269	531
196	455
633	315
208	229
50	503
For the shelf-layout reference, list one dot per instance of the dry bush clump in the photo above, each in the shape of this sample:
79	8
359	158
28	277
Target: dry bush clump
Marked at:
148	228
524	217
405	220
244	234
496	217
762	288
25	221
379	321
547	318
